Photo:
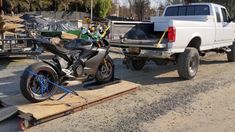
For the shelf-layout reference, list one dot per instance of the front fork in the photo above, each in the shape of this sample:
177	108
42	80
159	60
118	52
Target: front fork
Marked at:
106	64
109	66
105	60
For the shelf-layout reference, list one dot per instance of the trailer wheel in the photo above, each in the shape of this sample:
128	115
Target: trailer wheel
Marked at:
231	54
24	124
135	64
188	63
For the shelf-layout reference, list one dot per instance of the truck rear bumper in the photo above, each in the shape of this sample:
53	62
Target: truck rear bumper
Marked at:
158	54
139	44
146	50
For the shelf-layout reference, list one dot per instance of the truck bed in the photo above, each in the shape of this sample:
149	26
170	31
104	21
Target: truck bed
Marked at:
140	34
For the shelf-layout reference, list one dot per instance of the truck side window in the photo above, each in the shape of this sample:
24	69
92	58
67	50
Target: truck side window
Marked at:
225	16
190	10
202	10
217	15
182	11
171	11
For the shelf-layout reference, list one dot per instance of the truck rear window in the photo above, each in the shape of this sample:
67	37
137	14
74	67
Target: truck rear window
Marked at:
189	10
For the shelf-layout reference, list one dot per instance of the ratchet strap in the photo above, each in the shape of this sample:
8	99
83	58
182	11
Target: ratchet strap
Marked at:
104	33
44	87
159	42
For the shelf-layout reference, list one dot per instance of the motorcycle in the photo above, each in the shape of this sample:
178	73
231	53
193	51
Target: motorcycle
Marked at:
79	59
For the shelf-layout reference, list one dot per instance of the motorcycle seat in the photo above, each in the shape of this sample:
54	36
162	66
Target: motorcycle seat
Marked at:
62	52
78	44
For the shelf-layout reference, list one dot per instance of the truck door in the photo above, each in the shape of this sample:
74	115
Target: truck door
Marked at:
219	27
228	27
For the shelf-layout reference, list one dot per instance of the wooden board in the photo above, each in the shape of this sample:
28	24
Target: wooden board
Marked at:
50	108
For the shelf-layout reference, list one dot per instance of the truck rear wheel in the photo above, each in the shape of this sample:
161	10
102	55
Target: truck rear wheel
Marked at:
231	54
135	64
188	63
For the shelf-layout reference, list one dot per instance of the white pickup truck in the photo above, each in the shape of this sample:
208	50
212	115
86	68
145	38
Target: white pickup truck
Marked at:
182	35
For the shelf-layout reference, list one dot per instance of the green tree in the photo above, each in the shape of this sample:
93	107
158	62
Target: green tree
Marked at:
13	4
38	5
84	4
124	12
141	7
28	5
102	8
63	5
113	9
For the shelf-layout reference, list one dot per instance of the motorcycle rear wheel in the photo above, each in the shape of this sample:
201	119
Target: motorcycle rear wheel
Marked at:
105	71
30	85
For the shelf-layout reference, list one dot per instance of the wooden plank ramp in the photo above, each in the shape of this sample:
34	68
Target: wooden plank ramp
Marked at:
51	109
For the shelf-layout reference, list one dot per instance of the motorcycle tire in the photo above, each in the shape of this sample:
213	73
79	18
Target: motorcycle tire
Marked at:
30	86
105	74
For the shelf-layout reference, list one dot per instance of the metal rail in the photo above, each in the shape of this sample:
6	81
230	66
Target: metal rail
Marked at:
14	49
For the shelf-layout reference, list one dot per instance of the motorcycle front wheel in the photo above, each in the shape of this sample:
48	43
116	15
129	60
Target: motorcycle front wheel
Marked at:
105	71
35	82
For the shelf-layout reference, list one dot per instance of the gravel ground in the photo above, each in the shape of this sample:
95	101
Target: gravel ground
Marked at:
163	103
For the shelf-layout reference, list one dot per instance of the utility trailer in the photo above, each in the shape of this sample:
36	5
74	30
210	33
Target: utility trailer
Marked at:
18	46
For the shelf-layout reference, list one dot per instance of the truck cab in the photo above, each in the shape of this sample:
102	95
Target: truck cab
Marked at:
204	19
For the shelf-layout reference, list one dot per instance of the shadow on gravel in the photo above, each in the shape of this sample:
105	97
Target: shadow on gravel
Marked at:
5	61
153	74
11	124
205	62
10	85
150	74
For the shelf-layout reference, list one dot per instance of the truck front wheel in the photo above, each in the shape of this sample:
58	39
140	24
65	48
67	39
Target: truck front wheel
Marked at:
231	54
135	64
188	63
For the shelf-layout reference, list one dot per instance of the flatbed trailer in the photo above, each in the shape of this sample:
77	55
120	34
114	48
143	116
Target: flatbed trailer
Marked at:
18	46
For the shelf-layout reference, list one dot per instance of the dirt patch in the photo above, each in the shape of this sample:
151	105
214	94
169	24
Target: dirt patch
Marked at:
1	106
